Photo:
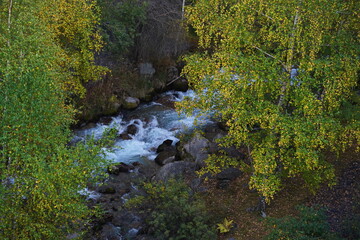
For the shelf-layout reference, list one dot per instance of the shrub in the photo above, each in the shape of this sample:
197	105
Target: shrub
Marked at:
175	212
310	224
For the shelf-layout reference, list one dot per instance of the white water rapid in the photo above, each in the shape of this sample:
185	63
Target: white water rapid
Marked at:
154	122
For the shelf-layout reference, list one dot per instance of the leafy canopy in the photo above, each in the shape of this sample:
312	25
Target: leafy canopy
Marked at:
73	25
281	74
40	175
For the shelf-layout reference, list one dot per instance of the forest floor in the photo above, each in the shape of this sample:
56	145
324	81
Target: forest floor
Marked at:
341	202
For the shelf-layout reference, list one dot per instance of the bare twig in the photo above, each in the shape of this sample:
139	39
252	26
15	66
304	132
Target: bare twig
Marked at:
269	55
173	80
262	14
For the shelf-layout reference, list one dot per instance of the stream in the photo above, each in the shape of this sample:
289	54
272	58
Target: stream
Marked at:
140	132
152	124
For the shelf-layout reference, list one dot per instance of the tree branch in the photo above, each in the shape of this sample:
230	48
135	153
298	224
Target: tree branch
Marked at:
269	55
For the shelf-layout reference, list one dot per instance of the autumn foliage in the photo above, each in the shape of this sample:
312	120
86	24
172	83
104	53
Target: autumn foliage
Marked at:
46	51
281	74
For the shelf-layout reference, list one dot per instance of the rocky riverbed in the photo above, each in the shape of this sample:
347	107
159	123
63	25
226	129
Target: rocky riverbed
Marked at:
148	149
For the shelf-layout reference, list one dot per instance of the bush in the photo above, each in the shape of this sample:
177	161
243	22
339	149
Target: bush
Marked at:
175	212
310	225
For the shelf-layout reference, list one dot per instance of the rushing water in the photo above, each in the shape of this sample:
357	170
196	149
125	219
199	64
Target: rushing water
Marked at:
155	123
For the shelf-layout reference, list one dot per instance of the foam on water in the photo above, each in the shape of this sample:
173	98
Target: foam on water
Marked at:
161	124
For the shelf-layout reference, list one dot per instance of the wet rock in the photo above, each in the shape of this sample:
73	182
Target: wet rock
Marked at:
148	97
105	120
166	101
165	157
132	129
106	189
112	107
130	103
165	146
112	169
180	84
136	164
175	169
124	136
128	220
123	167
110	232
88	126
118	168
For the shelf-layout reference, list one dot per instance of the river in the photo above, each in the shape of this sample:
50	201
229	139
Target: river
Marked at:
154	122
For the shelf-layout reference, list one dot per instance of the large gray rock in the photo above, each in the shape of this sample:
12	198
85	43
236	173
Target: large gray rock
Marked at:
148	169
197	147
175	169
165	146
130	103
165	157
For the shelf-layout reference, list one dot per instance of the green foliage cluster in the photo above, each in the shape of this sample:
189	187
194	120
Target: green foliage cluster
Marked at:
40	174
310	225
175	212
73	26
120	22
282	75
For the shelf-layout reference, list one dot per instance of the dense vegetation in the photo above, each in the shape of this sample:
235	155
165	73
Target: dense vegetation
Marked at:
282	75
46	52
311	224
174	212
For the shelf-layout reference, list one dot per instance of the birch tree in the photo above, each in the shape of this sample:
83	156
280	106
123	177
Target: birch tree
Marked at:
40	175
281	74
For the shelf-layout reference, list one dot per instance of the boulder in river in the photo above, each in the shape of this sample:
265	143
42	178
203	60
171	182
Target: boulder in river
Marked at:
179	84
124	136
165	146
118	168
106	189
132	129
165	157
130	103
